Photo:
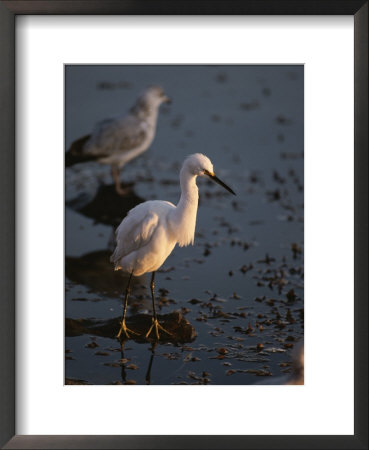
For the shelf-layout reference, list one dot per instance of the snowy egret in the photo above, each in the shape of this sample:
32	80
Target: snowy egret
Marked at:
150	231
117	141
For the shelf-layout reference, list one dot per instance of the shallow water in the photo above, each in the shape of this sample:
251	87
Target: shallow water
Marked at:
240	287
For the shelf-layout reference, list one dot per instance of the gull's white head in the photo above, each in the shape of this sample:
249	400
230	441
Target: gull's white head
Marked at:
199	165
149	101
155	96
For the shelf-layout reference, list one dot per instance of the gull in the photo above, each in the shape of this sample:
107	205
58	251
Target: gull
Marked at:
117	141
150	231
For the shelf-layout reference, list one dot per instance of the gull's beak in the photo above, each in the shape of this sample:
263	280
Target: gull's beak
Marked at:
216	179
167	99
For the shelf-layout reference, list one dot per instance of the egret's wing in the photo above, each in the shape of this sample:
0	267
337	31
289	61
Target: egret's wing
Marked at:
135	231
116	135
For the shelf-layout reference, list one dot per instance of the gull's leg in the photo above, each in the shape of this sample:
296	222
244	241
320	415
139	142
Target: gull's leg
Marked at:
123	327
155	323
115	171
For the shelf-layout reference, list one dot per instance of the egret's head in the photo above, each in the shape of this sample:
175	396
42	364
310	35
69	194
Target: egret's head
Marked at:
197	163
200	165
155	96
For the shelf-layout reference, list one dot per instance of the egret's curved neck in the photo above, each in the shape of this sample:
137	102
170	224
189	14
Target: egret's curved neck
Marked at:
184	216
189	190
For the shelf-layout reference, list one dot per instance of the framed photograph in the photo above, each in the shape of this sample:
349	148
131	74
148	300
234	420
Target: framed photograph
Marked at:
184	224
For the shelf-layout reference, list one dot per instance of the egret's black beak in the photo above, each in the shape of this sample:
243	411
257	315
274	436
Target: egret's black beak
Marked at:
216	179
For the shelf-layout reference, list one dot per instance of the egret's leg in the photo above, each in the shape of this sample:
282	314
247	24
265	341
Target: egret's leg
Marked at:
123	327
115	171
155	323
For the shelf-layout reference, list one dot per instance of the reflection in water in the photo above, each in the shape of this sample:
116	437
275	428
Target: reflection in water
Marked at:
148	373
124	363
107	207
94	270
181	332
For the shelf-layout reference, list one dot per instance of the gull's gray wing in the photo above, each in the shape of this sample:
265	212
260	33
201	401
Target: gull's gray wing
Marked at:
116	135
108	137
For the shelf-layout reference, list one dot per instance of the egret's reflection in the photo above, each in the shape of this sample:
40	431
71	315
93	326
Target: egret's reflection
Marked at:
149	367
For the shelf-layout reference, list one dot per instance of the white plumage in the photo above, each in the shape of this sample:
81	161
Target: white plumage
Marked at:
149	233
144	238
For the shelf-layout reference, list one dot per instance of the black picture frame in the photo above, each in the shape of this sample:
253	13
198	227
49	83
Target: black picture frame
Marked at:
8	11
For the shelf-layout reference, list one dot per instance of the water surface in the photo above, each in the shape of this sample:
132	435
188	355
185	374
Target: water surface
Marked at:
240	287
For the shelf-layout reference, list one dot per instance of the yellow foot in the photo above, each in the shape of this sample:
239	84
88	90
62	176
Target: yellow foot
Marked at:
126	331
156	324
